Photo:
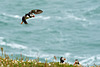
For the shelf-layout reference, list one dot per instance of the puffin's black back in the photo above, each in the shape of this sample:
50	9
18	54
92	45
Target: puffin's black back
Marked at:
61	60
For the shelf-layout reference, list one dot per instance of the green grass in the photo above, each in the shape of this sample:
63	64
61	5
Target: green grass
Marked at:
6	61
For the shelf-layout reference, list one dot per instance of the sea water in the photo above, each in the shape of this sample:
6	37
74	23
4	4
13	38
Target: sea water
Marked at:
66	28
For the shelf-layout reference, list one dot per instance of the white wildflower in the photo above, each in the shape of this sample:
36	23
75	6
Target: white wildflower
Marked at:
2	65
16	62
29	61
49	64
35	63
24	64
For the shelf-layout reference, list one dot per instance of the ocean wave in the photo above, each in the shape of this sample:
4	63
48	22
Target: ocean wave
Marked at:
20	17
1	38
79	57
12	16
84	60
34	54
47	56
92	11
89	60
71	16
40	55
12	45
42	17
17	46
98	57
4	22
1	41
77	18
67	54
69	58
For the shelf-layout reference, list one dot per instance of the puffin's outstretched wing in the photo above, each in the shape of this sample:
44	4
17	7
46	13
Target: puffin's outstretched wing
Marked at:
37	11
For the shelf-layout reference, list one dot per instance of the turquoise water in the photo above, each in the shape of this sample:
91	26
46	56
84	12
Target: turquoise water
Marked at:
66	28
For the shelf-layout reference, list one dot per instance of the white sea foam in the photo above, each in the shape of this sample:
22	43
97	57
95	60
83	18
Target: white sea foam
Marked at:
19	17
42	17
88	60
12	45
98	62
46	55
67	54
17	46
48	17
13	16
80	57
91	8
1	38
1	41
30	55
71	16
76	18
40	55
98	57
